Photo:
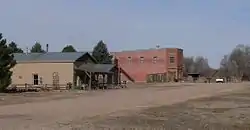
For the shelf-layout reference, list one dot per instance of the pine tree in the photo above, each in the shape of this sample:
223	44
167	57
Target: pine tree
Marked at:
6	63
101	53
69	48
37	48
14	48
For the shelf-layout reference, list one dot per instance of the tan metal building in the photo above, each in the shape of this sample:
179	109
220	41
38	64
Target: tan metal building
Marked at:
48	68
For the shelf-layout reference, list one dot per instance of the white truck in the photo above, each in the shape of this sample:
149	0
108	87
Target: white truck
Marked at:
219	80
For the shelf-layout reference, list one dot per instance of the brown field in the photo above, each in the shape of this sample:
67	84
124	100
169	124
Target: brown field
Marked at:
162	106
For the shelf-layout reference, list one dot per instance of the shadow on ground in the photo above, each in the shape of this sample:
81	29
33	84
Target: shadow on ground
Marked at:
227	112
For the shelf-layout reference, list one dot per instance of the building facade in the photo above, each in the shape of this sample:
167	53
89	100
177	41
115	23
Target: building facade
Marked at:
51	68
58	69
152	65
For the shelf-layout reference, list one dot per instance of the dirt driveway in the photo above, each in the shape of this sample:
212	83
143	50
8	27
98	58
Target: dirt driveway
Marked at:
71	111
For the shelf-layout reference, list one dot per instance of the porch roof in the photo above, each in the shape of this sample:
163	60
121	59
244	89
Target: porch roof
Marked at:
194	74
96	68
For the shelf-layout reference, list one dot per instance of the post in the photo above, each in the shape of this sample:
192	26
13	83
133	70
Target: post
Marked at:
47	48
119	76
90	79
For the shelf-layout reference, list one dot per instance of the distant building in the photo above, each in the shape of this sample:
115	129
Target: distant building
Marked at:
152	65
59	69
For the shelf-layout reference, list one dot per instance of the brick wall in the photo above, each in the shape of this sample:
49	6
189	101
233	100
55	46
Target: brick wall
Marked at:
139	63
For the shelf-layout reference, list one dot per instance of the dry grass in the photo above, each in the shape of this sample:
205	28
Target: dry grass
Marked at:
225	112
149	106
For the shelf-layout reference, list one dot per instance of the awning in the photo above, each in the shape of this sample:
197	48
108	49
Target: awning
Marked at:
96	68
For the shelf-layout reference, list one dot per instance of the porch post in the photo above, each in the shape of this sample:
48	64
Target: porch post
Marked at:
118	74
103	80
90	79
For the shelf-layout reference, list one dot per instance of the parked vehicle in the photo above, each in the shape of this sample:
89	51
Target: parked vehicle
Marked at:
219	80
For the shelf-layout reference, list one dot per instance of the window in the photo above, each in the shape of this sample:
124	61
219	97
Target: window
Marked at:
171	59
129	59
155	59
35	79
141	59
41	80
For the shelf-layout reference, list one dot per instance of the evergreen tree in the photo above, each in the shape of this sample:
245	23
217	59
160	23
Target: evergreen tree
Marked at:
101	53
37	48
69	48
14	48
6	63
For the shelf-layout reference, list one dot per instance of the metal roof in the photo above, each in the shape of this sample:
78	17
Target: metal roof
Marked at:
101	68
48	57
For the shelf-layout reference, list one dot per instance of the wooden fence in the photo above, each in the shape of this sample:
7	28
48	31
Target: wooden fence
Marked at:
157	78
43	87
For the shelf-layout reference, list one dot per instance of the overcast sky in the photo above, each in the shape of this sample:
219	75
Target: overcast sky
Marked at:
210	28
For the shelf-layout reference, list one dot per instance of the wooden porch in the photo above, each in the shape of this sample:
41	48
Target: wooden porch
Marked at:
98	76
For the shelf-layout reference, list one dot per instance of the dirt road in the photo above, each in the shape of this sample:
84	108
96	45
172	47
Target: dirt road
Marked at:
58	114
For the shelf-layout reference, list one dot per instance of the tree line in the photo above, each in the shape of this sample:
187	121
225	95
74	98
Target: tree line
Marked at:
235	65
37	48
197	64
100	51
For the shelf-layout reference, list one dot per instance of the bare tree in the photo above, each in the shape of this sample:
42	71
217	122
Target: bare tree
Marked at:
237	63
198	64
224	66
188	65
202	66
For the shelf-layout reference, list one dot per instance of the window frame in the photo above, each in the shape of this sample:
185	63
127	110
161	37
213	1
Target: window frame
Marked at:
129	59
35	79
142	59
172	59
155	58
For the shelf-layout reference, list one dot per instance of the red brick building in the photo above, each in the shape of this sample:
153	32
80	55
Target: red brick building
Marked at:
152	65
